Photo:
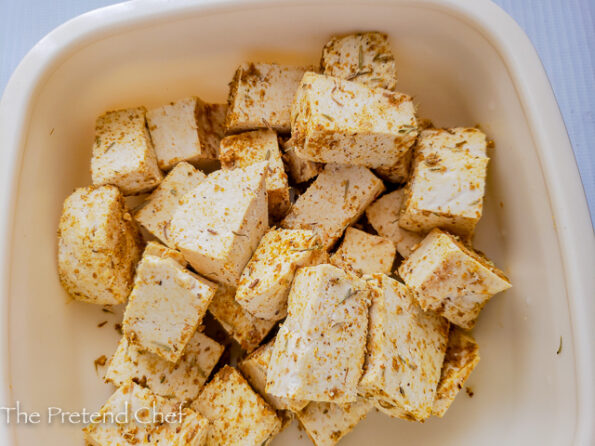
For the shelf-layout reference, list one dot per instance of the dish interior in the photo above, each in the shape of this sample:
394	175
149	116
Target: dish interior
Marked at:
523	391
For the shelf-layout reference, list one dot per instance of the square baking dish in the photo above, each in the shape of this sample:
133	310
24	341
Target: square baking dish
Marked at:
465	62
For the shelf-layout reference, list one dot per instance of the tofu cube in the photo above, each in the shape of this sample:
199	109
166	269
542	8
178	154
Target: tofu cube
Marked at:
363	253
247	330
133	416
384	214
363	57
255	368
327	423
245	149
184	131
99	246
165	307
344	122
260	97
158	250
451	279
219	223
462	355
319	350
123	154
238	415
447	183
181	381
156	212
398	172
299	169
266	280
405	351
335	200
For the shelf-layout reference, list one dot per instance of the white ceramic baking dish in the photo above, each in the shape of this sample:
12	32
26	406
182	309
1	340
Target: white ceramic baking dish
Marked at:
466	62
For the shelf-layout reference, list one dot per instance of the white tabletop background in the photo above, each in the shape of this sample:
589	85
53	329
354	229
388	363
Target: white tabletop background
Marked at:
563	31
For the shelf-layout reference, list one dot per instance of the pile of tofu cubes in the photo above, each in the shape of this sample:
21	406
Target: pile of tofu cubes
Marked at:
323	227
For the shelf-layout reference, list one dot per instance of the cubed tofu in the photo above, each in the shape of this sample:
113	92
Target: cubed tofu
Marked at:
260	97
158	250
299	169
165	307
179	130
219	223
339	121
327	423
451	279
462	355
247	330
99	246
336	199
238	415
447	183
123	154
245	149
255	368
156	212
319	350
363	57
383	215
363	253
398	172
405	350
133	415
266	280
212	123
181	381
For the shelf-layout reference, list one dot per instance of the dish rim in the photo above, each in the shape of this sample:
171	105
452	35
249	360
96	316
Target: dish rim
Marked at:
566	195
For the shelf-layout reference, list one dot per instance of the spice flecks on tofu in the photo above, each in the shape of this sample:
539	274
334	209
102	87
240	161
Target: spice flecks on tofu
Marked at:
451	279
165	307
237	414
363	253
123	154
336	199
266	280
99	246
319	349
219	223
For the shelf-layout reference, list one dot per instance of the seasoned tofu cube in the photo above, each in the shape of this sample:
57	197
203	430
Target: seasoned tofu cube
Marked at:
255	368
157	211
363	57
247	330
327	423
158	250
405	351
218	224
462	355
451	279
447	183
339	121
178	131
99	246
247	148
383	215
398	172
133	416
212	123
260	97
336	199
364	253
181	381
266	280
123	154
238	415
299	169
166	305
319	350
